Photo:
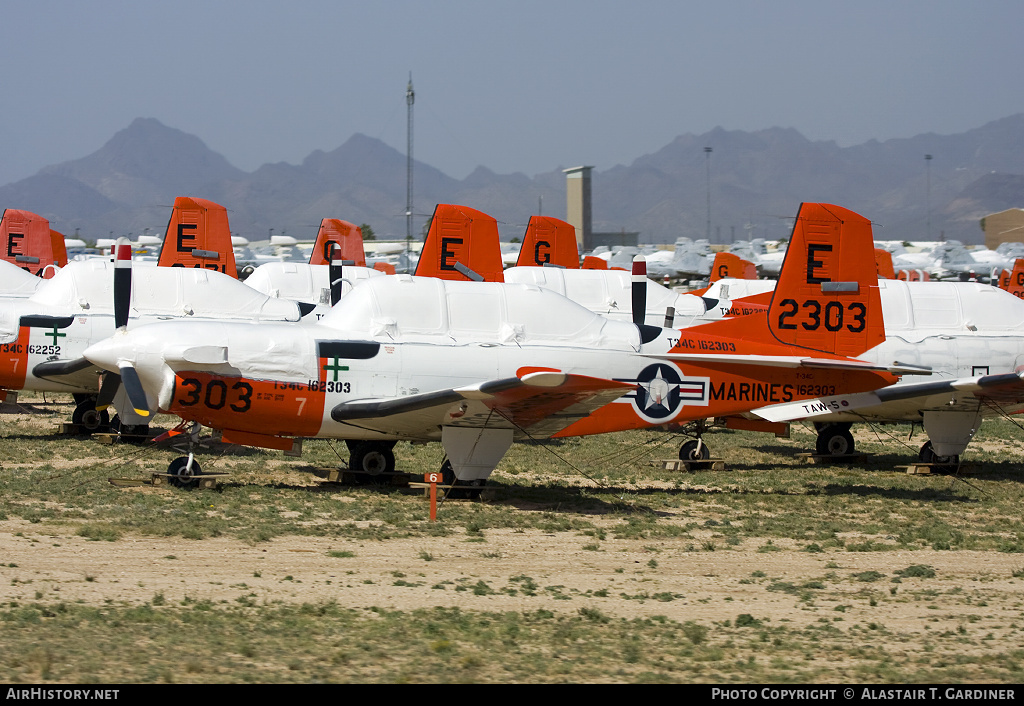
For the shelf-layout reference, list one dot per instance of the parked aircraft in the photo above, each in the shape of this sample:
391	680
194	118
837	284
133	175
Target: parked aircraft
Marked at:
43	335
690	259
28	242
476	365
461	244
337	264
756	250
969	334
949	260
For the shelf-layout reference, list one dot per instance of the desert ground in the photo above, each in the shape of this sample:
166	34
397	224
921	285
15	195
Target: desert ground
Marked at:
791	572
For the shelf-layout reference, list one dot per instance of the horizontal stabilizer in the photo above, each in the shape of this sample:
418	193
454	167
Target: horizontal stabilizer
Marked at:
1005	387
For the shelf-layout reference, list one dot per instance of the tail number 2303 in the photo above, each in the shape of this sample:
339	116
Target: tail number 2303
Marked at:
832	315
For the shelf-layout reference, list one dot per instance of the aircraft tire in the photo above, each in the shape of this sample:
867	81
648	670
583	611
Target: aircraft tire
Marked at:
834	440
86	416
372	459
927	455
180	475
694	451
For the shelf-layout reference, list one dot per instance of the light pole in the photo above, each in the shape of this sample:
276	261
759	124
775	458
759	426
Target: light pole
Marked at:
410	99
707	155
928	196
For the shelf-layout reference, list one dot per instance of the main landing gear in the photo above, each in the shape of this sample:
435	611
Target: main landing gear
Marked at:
375	459
928	455
695	450
460	489
834	439
87	418
371	457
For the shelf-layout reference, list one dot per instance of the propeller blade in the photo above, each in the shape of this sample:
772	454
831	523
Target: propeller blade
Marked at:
110	383
133	387
334	272
639	290
122	282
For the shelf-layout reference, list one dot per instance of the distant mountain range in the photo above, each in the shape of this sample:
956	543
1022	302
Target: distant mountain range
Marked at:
757	181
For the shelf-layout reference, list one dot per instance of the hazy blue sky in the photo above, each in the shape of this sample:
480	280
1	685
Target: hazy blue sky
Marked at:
517	85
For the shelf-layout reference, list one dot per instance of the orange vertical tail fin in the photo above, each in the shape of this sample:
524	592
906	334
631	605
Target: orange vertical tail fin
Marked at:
827	297
59	251
729	264
198	235
1015	285
27	241
347	236
462	244
549	241
883	264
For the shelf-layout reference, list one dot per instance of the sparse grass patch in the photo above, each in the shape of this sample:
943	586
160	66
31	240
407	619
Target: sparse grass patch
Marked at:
868	576
99	532
917	571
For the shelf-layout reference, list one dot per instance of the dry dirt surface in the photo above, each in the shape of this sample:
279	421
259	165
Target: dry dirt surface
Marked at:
622	578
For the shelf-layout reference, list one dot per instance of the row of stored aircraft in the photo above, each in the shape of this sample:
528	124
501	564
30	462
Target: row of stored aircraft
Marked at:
477	364
945	260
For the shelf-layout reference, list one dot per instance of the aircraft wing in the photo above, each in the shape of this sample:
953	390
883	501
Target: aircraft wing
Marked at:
789	361
78	372
538	403
1002	392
